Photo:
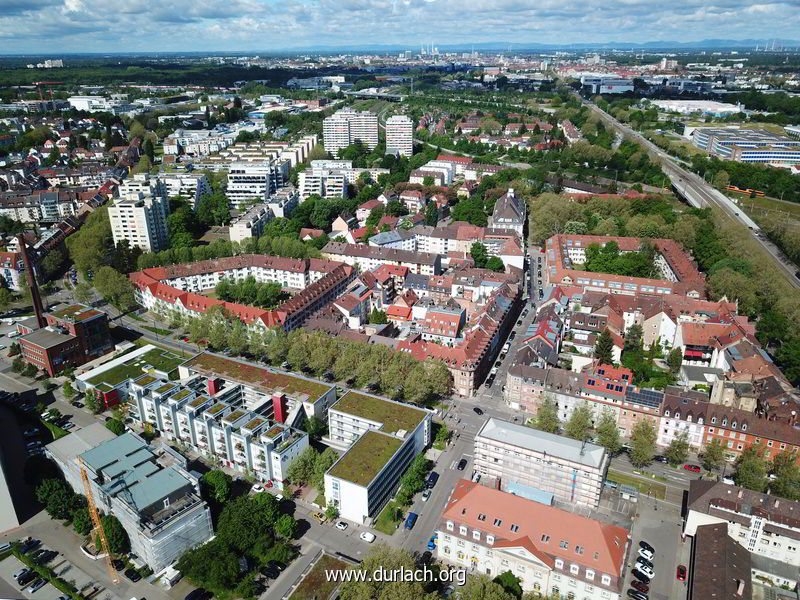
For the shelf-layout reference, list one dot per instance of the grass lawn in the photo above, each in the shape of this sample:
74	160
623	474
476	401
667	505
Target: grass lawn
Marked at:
385	523
156	330
55	430
757	207
315	584
643	484
320	500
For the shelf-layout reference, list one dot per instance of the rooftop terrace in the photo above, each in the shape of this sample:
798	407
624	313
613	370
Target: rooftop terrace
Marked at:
365	459
394	415
76	313
255	376
157	359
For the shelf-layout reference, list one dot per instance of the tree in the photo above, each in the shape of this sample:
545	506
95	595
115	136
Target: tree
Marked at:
382	556
431	214
118	541
721	179
246	520
751	470
68	390
217	485
315	427
510	583
212	565
18	365
787	476
301	470
579	425
675	360
286	527
643	443
607	432
115	426
83	292
323	462
480	587
678	449
546	418
81	521
115	287
479	254
713	455
331	512
633	337
30	371
14	350
92	402
56	496
6	298
378	317
52	262
604	348
495	263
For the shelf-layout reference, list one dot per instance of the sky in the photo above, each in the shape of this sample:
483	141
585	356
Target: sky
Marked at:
53	26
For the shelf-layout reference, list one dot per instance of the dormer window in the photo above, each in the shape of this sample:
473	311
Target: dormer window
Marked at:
490	539
733	424
677	415
744	426
666	413
476	535
462	529
689	418
449	526
700	420
724	421
713	420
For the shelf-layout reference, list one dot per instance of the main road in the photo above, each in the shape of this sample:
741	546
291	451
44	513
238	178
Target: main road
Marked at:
700	194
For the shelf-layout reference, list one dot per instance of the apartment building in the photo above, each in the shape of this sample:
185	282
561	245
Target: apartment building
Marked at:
763	524
139	215
509	213
250	224
400	135
256	181
526	462
347	126
330	178
382	438
553	552
12	270
370	257
150	490
191	186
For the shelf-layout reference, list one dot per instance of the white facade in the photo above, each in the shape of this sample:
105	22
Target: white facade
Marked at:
192	186
250	224
400	135
255	181
140	214
348	126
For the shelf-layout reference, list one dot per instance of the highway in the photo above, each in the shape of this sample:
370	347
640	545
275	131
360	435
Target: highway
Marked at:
700	194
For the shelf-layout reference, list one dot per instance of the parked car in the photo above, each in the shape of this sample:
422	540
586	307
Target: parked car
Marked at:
661	459
432	542
410	520
319	517
643	562
20	572
641	576
270	572
462	464
46	556
341	525
133	575
31	432
636	595
274	564
681	573
257	488
118	564
692	468
25	579
36	585
489	381
645	553
647	546
425	495
196	594
478	411
638	585
29	544
367	536
433	477
646	570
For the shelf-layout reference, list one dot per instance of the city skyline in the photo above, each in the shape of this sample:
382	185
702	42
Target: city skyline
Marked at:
260	25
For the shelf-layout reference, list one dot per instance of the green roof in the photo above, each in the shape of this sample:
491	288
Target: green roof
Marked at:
216	408
198	401
158	359
274	431
256	376
182	394
253	423
165	388
394	415
364	460
145	380
237	414
76	313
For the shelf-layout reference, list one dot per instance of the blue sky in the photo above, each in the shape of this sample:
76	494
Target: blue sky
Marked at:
52	26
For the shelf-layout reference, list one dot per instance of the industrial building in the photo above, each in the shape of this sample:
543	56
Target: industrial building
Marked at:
747	145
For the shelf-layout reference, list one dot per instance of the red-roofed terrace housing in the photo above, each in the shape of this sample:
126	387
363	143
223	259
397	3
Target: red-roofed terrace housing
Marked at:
565	253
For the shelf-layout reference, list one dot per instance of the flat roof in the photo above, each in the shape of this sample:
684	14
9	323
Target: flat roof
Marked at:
137	363
394	416
47	338
76	313
259	377
79	441
541	441
365	459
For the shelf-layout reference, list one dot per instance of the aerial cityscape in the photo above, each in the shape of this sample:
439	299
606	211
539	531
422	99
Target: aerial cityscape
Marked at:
377	300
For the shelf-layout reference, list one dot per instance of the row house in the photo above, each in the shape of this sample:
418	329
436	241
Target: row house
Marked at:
370	257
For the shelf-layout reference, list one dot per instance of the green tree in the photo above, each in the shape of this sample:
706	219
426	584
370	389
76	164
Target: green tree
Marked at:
510	583
286	527
116	535
604	348
787	476
56	496
479	254
331	512
315	427
546	418
92	402
322	463
678	449
81	521
643	443
480	587
386	557
68	390
30	370
713	455
579	425
495	263
721	179
83	292
18	364
378	317
6	298
115	287
431	214
675	360
217	485
115	426
751	470
301	470
245	521
607	432
211	565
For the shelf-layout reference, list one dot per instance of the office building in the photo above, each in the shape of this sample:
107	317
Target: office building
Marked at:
382	438
526	462
139	215
607	85
149	490
747	145
400	135
347	126
553	552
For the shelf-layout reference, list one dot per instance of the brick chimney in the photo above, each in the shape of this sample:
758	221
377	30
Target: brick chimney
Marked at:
36	299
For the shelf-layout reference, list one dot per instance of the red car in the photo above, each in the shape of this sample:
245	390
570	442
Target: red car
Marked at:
681	574
693	468
642	587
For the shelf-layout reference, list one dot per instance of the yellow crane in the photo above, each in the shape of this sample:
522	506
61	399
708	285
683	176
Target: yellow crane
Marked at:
98	525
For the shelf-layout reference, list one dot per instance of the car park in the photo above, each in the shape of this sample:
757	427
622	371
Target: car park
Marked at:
692	468
681	573
638	585
641	576
425	495
462	464
367	537
341	525
645	553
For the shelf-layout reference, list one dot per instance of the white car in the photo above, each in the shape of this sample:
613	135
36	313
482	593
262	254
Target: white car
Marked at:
645	553
425	495
257	488
367	536
646	570
341	525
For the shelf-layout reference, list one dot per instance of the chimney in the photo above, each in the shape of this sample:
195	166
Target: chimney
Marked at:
741	493
36	299
740	587
777	502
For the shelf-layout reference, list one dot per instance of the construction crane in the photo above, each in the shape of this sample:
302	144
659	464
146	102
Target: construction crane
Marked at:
98	525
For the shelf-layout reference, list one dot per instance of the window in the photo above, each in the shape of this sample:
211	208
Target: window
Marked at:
574	569
462	529
564	544
596	556
713	420
744	426
606	579
476	535
578	549
666	413
446	537
481	517
449	526
515	528
589	574
489	540
460	543
498	522
559	563
545	538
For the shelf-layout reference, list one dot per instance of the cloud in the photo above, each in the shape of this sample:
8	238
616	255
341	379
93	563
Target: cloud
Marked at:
253	25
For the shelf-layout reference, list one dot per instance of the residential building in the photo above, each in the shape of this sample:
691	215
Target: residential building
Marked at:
553	552
191	186
720	568
400	135
370	257
764	524
256	181
330	178
509	213
140	214
347	126
526	462
150	491
12	269
250	224
382	438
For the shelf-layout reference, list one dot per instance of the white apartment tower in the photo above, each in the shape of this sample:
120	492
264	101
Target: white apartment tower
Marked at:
347	126
400	135
139	215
